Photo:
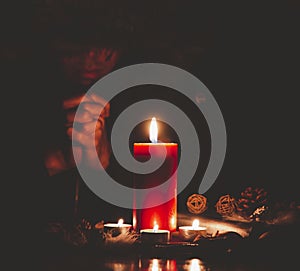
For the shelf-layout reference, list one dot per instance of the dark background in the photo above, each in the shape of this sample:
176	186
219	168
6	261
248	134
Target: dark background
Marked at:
246	54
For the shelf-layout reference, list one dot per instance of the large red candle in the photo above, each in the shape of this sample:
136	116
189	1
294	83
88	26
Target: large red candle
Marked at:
165	214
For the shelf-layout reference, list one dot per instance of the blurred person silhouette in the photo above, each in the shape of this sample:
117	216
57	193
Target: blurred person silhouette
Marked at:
80	54
68	65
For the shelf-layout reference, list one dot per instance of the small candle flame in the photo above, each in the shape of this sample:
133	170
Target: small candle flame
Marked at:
195	224
155	265
195	265
155	228
153	131
120	222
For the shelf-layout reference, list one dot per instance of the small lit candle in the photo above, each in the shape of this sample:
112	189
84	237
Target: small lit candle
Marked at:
190	232
117	228
155	235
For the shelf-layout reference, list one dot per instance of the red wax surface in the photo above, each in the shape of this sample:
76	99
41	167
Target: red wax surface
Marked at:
164	215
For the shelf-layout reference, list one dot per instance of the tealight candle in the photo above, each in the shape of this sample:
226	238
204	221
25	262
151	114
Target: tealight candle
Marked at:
190	232
155	235
117	228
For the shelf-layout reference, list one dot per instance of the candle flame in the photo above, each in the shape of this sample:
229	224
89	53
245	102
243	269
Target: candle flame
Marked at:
155	228
155	265
195	265
120	222
153	131
195	224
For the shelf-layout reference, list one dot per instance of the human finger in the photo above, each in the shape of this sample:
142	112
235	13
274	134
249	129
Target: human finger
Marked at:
86	140
90	127
81	117
101	102
96	109
72	102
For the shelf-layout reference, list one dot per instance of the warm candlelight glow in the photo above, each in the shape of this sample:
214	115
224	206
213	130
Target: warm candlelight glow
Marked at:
195	224
120	222
195	265
190	232
153	131
154	235
173	221
155	265
117	228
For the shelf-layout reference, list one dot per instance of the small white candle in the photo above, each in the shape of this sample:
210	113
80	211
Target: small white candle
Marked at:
155	235
190	232
117	228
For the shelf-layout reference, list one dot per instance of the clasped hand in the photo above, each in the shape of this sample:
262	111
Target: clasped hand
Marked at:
87	130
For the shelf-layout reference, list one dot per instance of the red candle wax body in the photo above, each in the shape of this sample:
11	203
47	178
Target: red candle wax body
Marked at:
164	215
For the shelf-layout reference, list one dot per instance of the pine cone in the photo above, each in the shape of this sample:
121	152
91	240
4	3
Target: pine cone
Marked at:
251	199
